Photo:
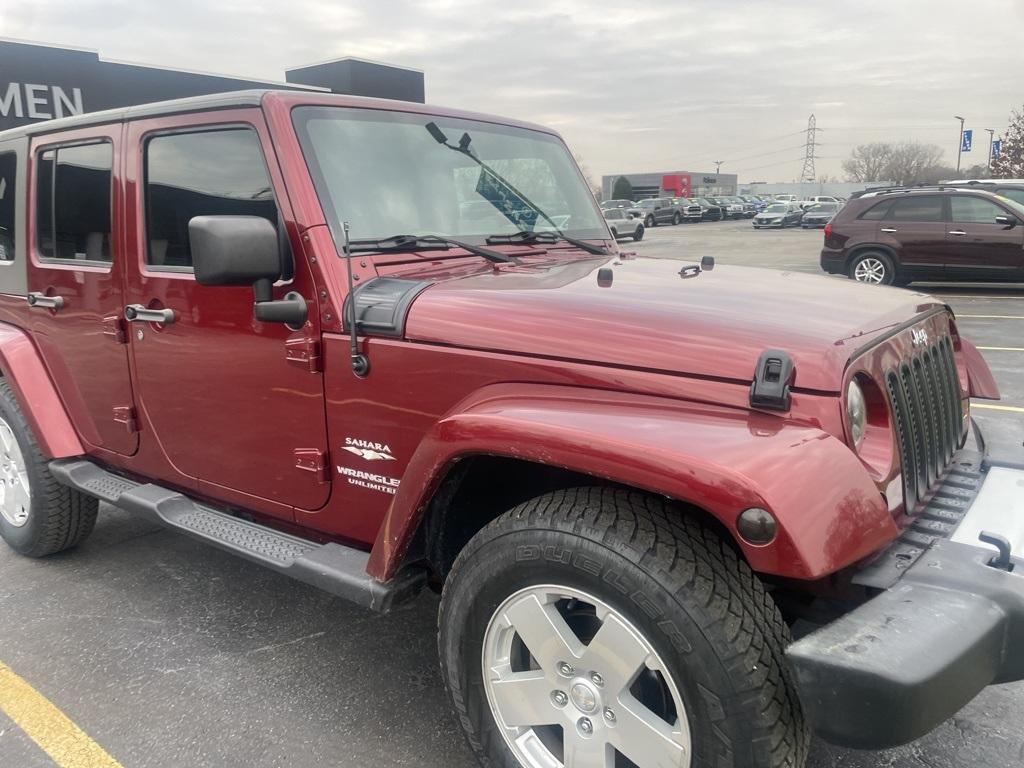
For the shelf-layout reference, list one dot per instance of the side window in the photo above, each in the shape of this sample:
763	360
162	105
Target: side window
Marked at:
1017	195
974	210
209	173
8	171
877	212
73	211
615	214
916	209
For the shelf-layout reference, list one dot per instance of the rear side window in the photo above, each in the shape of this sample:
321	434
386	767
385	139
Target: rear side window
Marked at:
8	171
209	173
974	210
916	209
73	211
878	212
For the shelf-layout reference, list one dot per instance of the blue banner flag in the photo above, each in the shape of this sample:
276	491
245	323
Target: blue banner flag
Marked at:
997	145
968	137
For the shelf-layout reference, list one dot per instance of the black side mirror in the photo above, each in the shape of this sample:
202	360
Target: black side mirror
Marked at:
244	250
1007	221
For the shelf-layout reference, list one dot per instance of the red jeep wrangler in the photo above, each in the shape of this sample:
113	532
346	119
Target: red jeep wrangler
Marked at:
378	346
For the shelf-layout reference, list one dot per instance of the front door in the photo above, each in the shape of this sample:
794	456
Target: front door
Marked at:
75	282
978	247
234	403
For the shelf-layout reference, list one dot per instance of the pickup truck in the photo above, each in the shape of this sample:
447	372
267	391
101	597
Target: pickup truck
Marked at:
383	347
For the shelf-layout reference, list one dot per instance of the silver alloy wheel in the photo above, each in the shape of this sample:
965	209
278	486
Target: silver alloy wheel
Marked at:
571	682
15	491
869	270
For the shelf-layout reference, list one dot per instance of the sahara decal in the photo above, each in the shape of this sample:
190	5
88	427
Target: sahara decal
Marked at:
366	449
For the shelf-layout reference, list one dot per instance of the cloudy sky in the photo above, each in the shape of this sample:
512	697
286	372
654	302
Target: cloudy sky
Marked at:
647	85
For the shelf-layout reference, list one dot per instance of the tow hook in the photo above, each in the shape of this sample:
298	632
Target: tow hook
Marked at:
1001	561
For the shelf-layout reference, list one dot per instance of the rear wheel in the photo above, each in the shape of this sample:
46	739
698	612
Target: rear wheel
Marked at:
601	628
38	516
638	234
615	234
872	267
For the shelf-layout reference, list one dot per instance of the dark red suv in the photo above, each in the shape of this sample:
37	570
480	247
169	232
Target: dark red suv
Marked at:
898	236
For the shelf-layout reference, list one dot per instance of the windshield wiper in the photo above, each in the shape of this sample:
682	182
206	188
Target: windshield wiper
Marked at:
464	148
528	236
423	242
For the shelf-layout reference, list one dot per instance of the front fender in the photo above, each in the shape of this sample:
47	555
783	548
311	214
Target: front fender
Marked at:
722	460
980	382
24	371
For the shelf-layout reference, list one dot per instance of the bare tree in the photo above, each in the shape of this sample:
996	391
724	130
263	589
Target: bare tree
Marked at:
867	162
913	163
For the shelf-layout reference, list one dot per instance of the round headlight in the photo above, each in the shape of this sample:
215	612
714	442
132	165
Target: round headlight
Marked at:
856	411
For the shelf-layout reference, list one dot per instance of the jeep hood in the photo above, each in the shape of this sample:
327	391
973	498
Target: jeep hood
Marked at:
714	324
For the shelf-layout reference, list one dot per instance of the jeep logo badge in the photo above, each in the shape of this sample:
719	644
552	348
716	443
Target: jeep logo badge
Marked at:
919	337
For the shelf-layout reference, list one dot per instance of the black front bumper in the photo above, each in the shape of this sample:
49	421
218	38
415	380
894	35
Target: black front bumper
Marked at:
947	624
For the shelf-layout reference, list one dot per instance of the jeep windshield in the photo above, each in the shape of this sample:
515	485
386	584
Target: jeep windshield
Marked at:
385	173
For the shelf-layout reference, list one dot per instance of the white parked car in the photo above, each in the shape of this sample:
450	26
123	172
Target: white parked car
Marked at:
815	199
622	223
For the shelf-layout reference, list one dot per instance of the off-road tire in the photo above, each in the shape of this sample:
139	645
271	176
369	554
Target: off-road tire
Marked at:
59	518
704	611
638	233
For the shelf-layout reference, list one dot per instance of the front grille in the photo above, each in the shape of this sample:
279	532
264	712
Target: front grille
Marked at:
925	396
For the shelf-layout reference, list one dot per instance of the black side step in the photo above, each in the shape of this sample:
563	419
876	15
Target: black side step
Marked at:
332	567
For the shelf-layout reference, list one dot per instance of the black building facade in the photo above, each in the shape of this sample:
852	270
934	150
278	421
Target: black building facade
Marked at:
41	82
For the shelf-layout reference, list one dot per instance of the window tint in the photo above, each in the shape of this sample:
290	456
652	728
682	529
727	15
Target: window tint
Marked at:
974	210
212	173
73	202
1017	195
8	169
916	209
614	214
877	212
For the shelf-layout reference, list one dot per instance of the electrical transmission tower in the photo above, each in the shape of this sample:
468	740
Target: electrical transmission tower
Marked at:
808	173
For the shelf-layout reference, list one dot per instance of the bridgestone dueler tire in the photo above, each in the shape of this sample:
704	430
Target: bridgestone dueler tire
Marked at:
703	610
59	518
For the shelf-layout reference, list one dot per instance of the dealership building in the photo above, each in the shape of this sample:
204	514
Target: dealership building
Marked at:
40	82
671	184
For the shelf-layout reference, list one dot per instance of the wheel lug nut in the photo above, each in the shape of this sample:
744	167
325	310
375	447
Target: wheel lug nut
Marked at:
586	727
609	715
596	679
559	699
565	670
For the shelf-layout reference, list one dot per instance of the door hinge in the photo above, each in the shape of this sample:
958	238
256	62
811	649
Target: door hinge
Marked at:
304	352
313	460
125	414
113	327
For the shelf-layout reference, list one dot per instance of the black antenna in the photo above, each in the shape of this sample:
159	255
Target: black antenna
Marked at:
360	362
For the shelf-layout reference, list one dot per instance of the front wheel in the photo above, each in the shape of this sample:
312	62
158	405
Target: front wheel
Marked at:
649	221
872	267
675	218
638	234
600	628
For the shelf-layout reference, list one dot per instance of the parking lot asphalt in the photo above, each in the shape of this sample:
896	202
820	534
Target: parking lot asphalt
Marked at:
168	653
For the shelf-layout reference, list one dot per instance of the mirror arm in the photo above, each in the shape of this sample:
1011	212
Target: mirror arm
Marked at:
263	291
291	310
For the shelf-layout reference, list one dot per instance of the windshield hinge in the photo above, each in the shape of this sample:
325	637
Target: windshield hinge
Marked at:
312	460
772	379
303	352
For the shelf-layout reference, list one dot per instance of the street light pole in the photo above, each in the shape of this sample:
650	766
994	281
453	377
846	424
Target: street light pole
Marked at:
960	144
991	137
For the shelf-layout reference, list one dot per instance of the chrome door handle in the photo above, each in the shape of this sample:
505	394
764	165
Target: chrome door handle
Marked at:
45	302
137	313
957	232
888	229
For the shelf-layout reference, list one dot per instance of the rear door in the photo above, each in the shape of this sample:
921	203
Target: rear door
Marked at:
915	227
978	247
76	281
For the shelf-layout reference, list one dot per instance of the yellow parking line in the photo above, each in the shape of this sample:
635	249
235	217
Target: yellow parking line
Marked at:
987	407
995	317
1002	349
66	744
